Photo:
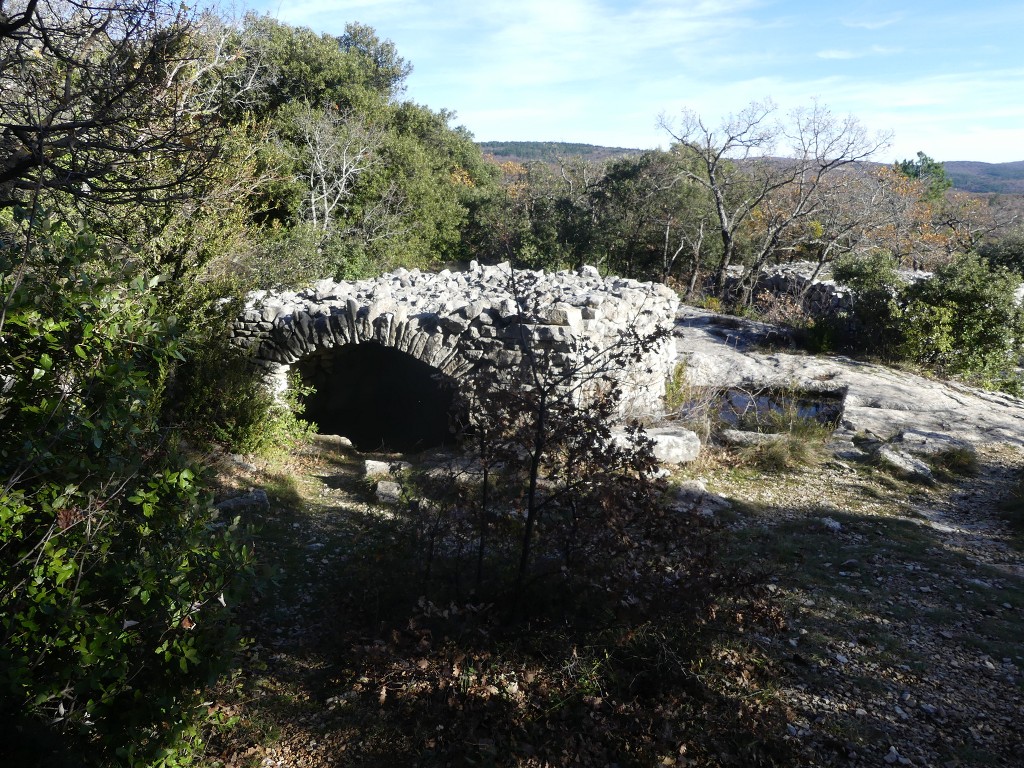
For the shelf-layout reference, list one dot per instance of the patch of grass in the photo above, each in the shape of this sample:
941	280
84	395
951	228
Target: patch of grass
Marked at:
696	407
954	463
786	453
283	488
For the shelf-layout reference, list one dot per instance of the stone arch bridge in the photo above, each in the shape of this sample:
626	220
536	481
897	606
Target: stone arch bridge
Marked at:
375	349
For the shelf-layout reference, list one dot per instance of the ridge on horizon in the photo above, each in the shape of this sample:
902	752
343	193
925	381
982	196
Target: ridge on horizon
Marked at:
967	175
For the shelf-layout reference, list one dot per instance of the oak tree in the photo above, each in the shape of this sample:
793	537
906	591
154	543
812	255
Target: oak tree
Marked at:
765	175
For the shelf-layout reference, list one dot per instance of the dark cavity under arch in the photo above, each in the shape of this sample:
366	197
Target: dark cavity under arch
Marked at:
379	398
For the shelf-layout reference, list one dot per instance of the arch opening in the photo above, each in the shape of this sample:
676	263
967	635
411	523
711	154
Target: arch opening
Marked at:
379	398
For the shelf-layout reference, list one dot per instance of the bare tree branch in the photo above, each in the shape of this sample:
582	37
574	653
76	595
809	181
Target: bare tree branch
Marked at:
112	102
755	192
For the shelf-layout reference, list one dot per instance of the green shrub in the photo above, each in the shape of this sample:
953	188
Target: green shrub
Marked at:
1007	252
784	454
220	396
116	576
877	287
800	438
954	462
963	321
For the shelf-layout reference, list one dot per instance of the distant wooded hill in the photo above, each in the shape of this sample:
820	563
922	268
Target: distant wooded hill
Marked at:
550	151
968	176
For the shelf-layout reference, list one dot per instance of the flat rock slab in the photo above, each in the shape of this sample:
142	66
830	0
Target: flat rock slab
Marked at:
671	445
253	501
674	445
743	439
722	352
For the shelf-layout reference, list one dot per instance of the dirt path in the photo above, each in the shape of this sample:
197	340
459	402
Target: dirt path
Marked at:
969	516
906	605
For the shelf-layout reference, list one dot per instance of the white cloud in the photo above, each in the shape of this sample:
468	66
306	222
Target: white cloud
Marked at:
836	54
872	24
844	54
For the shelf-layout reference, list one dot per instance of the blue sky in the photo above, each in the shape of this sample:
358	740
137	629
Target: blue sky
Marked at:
945	78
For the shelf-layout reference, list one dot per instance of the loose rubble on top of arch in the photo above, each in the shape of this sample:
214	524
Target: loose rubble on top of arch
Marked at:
459	321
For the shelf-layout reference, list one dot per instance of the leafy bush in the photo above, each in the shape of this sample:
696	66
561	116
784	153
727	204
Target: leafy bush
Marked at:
876	285
220	396
1007	252
963	321
116	575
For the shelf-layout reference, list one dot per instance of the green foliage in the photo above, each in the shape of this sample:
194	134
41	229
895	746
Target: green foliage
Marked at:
653	220
356	70
400	179
220	396
931	172
632	215
1006	252
876	285
963	321
116	575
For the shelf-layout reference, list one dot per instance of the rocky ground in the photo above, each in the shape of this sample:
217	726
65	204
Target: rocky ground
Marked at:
904	606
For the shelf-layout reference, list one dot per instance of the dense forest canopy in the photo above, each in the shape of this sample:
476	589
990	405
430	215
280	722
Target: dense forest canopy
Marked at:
158	161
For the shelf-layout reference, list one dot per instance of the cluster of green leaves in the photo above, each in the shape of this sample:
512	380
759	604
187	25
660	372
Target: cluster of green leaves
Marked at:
115	573
400	178
633	215
220	397
928	170
962	321
1007	251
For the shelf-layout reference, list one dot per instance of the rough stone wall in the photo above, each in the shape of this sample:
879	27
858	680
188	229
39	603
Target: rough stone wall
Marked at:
819	297
458	322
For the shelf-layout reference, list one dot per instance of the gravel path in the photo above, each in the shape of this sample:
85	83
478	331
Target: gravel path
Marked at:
907	607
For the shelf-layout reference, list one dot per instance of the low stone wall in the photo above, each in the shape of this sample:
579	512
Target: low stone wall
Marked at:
819	297
458	322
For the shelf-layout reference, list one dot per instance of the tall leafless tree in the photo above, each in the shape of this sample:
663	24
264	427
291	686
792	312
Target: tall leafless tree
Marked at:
759	193
336	148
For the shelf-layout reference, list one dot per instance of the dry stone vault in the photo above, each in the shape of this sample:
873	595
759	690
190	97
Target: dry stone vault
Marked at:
383	341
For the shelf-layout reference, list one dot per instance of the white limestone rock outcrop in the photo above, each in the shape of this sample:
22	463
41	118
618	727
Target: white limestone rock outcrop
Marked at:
674	445
723	352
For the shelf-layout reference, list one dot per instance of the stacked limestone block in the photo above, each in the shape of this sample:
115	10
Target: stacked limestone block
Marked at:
459	322
799	280
820	297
